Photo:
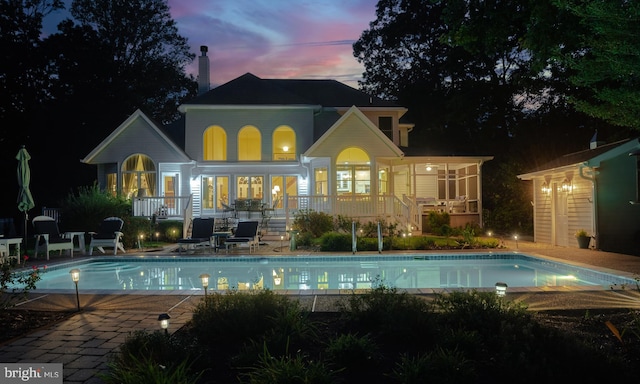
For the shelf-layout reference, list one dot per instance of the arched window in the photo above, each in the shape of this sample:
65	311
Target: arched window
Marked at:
353	172
284	143
214	144
138	176
249	144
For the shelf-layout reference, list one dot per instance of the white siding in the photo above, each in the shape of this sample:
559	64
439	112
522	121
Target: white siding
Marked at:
542	214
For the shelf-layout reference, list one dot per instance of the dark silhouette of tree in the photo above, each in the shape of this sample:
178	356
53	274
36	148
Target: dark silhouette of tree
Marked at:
596	44
484	77
71	89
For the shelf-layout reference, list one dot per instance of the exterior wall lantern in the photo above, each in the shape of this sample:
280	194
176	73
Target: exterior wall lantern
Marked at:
566	185
546	189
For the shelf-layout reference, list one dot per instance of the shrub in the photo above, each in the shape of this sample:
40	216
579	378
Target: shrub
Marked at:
288	369
240	321
344	224
357	354
439	366
397	318
169	230
335	242
24	281
85	209
436	220
313	222
151	358
368	244
444	230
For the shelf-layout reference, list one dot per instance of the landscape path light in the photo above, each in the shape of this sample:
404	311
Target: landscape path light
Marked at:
163	318
205	282
501	288
75	277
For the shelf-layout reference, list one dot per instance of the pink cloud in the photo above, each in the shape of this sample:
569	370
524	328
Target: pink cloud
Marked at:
276	39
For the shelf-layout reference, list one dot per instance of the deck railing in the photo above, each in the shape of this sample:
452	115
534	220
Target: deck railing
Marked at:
354	206
163	207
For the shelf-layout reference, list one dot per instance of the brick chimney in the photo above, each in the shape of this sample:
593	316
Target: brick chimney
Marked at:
203	70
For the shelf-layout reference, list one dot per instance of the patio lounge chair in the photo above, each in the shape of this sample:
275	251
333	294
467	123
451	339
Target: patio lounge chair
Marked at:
109	235
246	233
201	234
48	236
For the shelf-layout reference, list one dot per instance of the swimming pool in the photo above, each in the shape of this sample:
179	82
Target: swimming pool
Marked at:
432	271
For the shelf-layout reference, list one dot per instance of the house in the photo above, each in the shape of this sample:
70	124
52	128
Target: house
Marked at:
595	190
285	145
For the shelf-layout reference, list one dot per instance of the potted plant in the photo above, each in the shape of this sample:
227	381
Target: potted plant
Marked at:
583	238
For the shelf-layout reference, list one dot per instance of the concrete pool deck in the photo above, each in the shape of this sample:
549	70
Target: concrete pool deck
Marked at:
83	341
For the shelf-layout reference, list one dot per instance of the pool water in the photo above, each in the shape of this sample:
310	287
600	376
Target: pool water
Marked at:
170	273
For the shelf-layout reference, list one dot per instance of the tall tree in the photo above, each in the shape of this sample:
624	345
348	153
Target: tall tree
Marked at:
111	58
23	80
455	63
606	60
149	54
484	76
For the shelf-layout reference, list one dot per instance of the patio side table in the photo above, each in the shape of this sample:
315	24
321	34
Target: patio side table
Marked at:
7	242
81	245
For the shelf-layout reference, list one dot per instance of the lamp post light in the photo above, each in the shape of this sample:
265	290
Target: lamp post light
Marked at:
163	318
501	288
75	277
205	282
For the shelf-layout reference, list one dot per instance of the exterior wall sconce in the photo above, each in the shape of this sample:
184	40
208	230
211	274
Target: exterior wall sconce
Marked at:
546	189
501	288
566	186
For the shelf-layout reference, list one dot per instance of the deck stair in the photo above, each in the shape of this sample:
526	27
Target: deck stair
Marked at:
274	228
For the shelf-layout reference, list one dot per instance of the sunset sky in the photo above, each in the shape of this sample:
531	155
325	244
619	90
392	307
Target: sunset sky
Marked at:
303	39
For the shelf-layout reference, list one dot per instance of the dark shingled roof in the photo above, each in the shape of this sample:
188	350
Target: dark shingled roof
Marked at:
249	89
578	157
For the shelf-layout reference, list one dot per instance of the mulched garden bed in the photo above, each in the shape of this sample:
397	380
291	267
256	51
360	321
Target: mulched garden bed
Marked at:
15	323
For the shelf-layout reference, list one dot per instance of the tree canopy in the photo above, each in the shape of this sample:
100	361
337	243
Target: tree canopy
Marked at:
64	93
605	63
525	81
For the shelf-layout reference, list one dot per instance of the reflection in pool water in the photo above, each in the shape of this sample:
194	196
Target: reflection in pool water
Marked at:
323	272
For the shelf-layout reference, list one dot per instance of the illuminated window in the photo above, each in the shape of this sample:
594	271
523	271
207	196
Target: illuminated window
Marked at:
215	191
249	144
214	144
353	172
138	176
284	144
250	187
112	183
281	188
320	179
383	181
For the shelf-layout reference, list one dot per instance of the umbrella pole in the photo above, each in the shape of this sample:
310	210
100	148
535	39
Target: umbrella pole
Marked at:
24	234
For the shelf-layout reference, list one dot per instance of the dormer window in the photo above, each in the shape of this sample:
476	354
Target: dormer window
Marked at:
385	123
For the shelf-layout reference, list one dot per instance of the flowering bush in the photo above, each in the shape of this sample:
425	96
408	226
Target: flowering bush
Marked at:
16	284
